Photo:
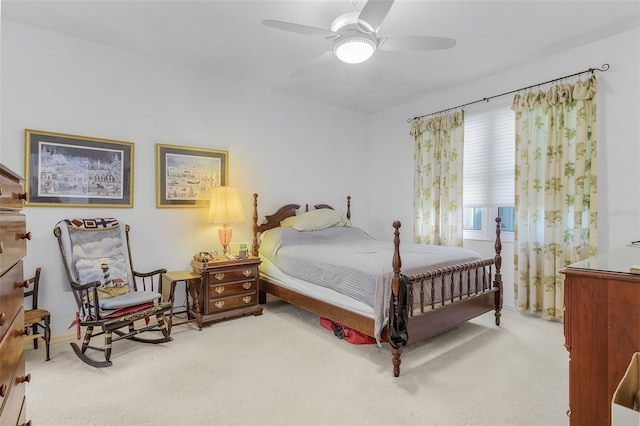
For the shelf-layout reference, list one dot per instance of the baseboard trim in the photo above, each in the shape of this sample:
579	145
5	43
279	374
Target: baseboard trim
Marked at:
58	338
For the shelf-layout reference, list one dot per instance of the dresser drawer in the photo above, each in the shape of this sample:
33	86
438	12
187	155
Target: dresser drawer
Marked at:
11	297
13	241
22	418
223	304
232	274
14	405
11	190
11	348
229	289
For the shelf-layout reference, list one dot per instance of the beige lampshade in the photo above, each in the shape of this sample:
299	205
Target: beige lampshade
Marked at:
225	206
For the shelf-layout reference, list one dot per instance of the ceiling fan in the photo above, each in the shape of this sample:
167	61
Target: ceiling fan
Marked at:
355	35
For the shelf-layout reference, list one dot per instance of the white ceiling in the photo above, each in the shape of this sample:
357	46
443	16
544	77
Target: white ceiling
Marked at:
227	38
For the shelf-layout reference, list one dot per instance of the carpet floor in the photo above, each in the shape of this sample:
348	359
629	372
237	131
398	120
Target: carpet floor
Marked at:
282	368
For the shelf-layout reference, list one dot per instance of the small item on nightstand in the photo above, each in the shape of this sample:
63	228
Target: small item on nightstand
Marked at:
201	259
243	253
634	269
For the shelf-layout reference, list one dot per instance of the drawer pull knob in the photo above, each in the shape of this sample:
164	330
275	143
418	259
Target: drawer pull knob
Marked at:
247	299
3	390
17	196
220	290
3	318
219	304
25	332
22	284
23	236
23	379
219	276
247	272
246	285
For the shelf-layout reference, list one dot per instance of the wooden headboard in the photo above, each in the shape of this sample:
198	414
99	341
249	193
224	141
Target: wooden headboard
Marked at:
273	220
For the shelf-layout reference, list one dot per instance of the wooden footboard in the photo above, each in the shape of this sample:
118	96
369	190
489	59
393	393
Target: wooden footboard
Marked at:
472	289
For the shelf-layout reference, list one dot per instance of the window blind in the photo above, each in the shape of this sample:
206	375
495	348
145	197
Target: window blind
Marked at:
489	157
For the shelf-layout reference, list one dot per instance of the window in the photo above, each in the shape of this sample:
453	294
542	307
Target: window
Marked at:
489	162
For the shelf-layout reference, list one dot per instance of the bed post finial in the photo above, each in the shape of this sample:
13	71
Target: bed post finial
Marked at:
349	207
254	245
497	282
396	262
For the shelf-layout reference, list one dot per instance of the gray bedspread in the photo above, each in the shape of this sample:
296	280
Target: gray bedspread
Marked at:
351	262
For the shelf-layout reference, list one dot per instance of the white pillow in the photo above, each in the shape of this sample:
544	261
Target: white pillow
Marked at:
315	220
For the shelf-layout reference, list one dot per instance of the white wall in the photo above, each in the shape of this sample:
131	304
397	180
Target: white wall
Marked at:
391	148
285	148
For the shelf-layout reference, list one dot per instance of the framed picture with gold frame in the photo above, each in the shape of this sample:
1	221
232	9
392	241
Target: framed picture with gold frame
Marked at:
186	175
63	170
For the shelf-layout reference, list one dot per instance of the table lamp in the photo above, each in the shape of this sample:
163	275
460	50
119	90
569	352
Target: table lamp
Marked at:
225	208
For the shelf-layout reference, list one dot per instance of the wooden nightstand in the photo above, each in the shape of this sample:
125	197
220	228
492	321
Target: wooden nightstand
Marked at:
230	289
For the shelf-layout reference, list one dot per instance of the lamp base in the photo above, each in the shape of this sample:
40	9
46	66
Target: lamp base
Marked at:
224	234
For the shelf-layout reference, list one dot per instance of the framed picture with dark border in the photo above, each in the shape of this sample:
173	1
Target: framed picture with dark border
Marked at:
65	170
186	175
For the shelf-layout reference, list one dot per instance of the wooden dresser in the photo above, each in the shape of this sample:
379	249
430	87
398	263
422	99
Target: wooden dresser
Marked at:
13	247
230	289
602	330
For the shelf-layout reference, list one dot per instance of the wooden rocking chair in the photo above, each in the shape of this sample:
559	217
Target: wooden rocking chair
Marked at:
109	293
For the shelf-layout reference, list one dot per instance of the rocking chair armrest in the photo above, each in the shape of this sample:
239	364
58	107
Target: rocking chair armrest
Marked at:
149	274
87	286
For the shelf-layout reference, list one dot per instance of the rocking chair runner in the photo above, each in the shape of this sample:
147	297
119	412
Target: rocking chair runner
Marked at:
109	293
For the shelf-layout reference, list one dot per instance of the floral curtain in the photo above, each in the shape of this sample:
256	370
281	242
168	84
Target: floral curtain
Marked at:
556	190
439	146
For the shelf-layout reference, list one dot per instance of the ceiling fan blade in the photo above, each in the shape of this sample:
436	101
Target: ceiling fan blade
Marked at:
320	61
298	28
407	43
374	12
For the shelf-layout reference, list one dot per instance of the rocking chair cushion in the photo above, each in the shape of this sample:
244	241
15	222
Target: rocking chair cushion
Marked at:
128	310
129	299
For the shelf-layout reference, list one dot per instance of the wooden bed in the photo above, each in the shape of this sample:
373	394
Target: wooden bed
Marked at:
424	319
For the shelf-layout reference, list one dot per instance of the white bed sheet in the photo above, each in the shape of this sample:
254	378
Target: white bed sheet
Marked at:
270	271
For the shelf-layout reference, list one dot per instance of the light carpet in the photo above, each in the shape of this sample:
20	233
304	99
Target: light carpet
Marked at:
282	368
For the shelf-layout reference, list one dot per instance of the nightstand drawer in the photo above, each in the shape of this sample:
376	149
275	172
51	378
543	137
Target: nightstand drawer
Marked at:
229	303
229	289
232	274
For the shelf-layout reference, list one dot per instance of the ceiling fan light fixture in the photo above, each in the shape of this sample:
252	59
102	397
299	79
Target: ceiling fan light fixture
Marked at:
354	50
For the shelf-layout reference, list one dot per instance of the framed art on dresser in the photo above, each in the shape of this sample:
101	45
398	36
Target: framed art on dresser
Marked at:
68	170
186	175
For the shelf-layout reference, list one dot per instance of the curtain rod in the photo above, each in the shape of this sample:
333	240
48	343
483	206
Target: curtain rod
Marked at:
604	68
